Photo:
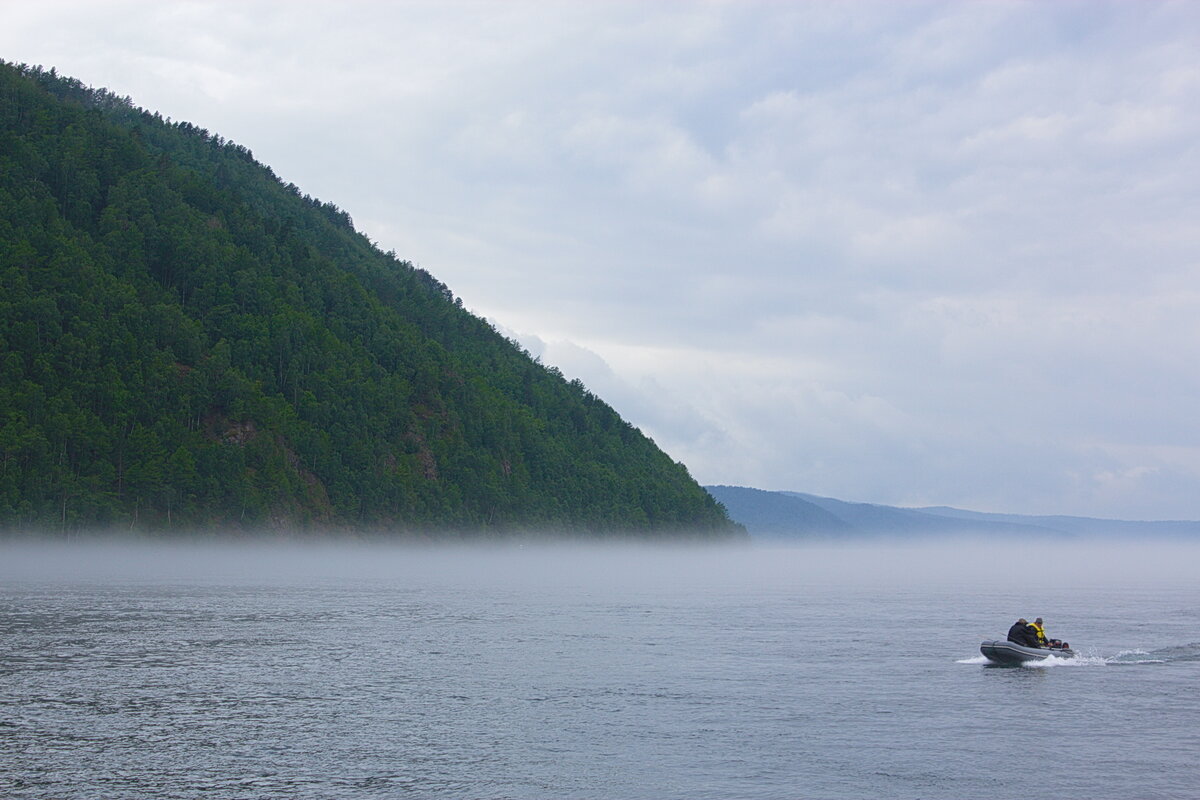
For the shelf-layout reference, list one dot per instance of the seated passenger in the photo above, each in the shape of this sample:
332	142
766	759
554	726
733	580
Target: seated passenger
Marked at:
1044	640
1023	633
1040	631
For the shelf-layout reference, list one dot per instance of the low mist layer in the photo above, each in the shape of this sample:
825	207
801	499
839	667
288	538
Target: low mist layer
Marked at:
605	565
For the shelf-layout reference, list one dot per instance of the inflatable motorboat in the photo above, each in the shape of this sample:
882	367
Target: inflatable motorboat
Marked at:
1002	652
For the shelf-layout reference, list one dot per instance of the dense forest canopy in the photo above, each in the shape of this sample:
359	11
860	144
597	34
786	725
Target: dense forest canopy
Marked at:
187	341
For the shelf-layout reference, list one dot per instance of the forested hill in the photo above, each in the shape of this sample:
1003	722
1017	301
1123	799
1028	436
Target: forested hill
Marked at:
186	341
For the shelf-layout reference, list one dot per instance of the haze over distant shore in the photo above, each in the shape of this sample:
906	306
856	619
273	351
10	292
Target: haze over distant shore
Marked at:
796	515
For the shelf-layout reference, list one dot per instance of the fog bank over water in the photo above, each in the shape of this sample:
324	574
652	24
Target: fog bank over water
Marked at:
604	567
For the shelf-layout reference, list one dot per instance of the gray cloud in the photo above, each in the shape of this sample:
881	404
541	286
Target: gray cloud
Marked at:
919	252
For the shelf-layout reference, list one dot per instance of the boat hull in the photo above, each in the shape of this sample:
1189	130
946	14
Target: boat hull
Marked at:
1002	652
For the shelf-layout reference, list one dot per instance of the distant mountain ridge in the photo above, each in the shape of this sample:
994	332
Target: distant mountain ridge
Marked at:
797	516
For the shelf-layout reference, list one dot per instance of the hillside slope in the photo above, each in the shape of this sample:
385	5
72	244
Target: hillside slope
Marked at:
185	340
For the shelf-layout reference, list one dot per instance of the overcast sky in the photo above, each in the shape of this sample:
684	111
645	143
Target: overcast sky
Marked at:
898	252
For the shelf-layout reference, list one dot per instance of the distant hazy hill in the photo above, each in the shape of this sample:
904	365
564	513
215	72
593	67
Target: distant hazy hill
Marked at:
1075	526
778	514
794	515
186	340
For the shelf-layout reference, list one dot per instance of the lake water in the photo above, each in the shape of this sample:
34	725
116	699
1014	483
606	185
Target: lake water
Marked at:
607	672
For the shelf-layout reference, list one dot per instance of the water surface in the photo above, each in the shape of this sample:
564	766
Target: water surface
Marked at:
557	671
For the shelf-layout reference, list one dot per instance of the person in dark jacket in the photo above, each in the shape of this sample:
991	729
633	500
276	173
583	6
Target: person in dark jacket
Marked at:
1023	633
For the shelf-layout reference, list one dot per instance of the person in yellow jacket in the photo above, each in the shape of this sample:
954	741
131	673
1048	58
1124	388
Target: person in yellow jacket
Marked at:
1036	629
1041	632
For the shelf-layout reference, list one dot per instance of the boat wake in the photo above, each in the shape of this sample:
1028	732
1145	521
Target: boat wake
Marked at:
1079	660
1134	657
1163	655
